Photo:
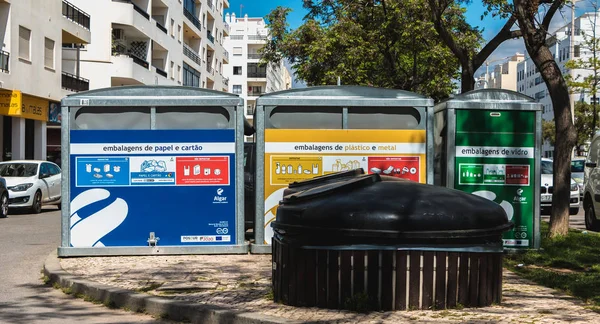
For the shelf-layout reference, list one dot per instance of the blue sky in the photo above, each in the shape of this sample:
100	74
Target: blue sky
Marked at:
491	25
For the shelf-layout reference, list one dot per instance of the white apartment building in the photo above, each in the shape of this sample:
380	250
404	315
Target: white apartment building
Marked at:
36	72
529	79
247	78
165	42
503	76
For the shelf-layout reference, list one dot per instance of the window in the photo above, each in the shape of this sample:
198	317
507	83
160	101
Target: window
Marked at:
237	70
179	33
237	51
179	74
172	27
24	43
191	77
48	53
172	70
576	50
237	89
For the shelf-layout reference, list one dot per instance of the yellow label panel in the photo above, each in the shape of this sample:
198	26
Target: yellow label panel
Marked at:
302	154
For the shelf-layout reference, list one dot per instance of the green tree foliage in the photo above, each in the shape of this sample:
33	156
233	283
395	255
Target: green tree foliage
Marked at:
549	131
383	43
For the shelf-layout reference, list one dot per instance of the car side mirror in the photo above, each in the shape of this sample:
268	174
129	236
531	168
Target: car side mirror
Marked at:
44	175
590	164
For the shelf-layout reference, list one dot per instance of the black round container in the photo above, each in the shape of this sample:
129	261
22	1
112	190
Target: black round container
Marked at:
385	245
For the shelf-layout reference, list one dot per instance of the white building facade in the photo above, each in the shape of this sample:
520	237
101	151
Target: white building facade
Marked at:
38	67
164	42
246	77
502	76
530	81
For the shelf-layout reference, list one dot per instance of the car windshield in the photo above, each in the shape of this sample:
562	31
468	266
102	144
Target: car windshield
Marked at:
547	167
577	165
18	169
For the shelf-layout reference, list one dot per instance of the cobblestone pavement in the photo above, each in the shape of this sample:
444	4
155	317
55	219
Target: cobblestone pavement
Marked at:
242	283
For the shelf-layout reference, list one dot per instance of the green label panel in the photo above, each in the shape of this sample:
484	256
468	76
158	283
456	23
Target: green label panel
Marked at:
495	160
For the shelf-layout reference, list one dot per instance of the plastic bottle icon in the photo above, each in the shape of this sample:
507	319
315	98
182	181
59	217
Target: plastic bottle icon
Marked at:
283	169
88	168
290	169
299	168
277	168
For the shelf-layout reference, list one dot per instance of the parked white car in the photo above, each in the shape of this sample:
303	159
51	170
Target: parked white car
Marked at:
32	184
547	190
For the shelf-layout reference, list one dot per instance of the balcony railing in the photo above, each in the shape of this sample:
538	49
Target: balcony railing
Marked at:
161	27
254	56
4	60
210	37
192	18
210	69
236	37
226	54
257	37
257	74
193	55
122	50
227	27
74	83
226	82
161	72
255	93
75	14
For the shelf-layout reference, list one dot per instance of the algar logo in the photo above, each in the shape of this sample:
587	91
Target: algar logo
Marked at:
519	198
219	199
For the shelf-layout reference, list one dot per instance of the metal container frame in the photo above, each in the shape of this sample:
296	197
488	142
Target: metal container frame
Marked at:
331	96
152	97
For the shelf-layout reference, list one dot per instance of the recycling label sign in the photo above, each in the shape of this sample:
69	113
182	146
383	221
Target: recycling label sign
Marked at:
495	160
126	184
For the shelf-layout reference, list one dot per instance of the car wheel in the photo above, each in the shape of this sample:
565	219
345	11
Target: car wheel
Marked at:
36	205
4	206
573	211
591	223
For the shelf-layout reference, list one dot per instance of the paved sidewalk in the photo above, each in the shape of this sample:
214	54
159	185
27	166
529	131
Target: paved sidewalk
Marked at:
236	289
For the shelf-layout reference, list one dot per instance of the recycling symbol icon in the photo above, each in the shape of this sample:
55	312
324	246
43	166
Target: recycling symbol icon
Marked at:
490	195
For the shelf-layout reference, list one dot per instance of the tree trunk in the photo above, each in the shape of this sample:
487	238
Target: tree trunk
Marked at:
566	138
534	37
467	82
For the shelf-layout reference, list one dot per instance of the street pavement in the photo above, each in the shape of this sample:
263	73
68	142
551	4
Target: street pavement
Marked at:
26	240
575	221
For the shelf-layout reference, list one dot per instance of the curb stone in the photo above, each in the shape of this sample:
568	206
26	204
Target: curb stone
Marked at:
156	306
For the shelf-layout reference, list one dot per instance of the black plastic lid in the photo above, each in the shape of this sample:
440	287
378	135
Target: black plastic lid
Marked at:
367	210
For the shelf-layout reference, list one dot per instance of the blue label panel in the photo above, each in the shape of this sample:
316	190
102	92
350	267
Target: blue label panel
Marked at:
178	185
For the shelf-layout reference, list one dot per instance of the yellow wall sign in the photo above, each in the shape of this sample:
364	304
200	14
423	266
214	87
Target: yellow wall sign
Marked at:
14	103
300	154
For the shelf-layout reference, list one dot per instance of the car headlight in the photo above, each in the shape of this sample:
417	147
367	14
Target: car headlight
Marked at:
574	187
22	187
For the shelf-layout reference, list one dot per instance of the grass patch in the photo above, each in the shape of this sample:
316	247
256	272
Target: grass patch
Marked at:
270	295
570	263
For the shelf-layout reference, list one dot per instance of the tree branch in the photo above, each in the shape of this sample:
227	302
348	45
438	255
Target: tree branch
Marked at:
504	34
553	8
437	13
